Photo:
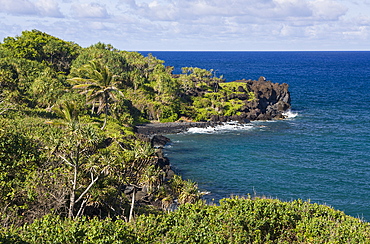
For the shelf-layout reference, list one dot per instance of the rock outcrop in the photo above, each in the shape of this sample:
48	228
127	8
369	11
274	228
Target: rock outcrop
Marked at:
270	102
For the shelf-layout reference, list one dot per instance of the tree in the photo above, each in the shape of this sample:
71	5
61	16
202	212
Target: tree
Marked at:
16	77
99	85
185	190
19	157
108	55
47	88
69	112
75	150
152	177
41	47
192	77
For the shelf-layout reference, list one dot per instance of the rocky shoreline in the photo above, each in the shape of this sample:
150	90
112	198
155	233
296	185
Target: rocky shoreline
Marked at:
152	129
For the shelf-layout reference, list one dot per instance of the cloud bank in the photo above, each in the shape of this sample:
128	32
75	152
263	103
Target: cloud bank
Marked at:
197	24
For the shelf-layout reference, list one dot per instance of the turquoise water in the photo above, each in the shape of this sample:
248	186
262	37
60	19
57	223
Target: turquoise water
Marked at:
322	153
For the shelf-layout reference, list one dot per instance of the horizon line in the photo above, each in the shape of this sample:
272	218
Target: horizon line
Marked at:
248	50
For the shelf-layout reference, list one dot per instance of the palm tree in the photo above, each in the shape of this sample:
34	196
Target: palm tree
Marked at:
99	85
68	111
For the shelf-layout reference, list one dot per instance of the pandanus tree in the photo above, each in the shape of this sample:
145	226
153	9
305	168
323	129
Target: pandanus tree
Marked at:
99	84
75	150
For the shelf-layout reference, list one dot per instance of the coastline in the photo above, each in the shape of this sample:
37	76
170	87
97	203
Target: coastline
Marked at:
151	129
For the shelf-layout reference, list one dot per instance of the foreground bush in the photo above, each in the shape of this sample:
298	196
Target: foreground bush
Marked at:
53	229
235	220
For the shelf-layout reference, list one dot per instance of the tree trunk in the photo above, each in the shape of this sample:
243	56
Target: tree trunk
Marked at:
132	206
73	193
106	113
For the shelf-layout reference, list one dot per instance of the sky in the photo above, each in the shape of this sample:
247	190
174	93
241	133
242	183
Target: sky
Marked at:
196	25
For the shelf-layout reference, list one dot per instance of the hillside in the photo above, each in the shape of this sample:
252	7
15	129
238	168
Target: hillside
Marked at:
72	166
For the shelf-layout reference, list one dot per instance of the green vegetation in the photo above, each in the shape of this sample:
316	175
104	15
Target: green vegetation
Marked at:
73	171
235	220
67	145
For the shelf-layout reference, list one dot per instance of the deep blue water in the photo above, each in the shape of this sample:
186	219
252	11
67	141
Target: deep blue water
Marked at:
322	154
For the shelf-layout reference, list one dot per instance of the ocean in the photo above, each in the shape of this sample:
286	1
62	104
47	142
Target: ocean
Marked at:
321	153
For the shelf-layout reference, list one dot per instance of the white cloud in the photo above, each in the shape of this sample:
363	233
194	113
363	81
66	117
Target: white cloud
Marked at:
49	8
98	26
328	10
89	10
18	7
43	8
362	32
196	24
252	10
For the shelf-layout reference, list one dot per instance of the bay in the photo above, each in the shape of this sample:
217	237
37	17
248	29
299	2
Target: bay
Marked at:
321	154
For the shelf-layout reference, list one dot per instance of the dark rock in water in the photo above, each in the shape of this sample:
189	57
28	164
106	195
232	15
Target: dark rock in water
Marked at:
223	119
159	141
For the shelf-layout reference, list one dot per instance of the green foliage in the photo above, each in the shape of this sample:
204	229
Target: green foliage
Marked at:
125	112
169	113
19	156
98	83
224	101
235	220
53	229
185	190
68	111
111	58
41	47
47	88
207	95
239	220
17	78
153	89
193	77
59	162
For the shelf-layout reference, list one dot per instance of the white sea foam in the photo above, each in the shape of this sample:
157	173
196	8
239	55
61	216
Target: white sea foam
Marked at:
290	114
225	127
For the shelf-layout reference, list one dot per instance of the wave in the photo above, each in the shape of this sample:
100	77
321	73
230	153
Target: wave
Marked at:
235	126
290	114
225	127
